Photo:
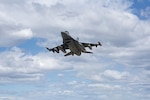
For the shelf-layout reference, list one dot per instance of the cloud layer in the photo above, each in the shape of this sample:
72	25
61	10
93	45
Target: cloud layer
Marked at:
119	69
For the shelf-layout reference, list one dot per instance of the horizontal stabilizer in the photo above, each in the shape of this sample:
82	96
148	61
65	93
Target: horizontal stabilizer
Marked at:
87	52
62	49
70	53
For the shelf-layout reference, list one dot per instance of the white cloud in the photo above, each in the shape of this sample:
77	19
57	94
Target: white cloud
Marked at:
115	74
105	86
16	65
23	34
12	34
11	30
15	37
123	58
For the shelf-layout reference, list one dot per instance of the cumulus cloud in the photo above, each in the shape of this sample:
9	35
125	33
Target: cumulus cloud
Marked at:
16	65
123	59
13	37
115	75
12	33
105	86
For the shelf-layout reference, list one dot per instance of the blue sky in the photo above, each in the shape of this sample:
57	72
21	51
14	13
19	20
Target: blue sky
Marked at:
140	7
119	70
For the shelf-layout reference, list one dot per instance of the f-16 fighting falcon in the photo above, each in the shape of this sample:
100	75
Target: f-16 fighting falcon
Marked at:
75	46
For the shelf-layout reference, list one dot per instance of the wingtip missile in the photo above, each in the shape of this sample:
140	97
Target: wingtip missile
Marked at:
99	44
48	48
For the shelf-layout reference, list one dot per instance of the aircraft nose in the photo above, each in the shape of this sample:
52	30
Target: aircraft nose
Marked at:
62	34
65	34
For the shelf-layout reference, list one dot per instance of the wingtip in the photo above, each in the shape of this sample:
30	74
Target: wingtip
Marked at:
47	48
99	44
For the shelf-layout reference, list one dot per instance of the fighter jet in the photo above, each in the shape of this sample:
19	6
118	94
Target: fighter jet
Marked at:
73	45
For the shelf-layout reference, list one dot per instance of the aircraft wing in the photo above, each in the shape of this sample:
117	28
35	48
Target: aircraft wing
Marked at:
58	48
90	45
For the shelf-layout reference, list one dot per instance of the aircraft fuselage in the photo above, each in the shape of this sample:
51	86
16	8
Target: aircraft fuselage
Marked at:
73	45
